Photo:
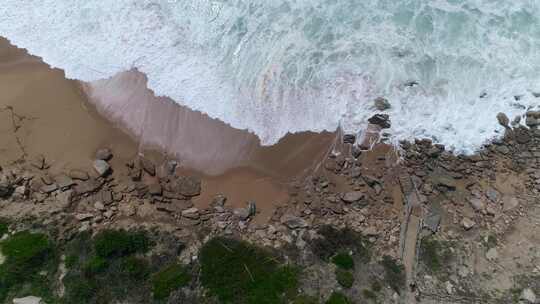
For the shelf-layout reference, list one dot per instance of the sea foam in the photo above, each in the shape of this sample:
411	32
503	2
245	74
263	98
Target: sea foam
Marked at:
281	66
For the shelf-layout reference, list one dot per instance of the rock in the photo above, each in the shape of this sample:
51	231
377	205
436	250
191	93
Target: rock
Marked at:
252	208
528	296
293	222
155	189
148	166
381	104
503	149
522	135
353	196
101	167
492	194
241	213
433	220
449	287
64	199
128	209
104	154
79	175
492	254
219	200
49	188
509	202
477	204
170	167
503	120
39	162
467	223
516	121
99	206
532	119
83	216
349	138
446	181
106	197
6	189
108	214
27	300
189	186
191	213
64	181
381	120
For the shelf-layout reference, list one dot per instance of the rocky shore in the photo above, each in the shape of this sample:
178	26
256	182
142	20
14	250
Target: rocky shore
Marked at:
464	229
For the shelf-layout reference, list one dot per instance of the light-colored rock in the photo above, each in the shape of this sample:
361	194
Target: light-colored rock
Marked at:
104	154
477	204
101	167
99	206
83	216
191	213
509	202
293	222
467	223
492	254
354	196
27	300
528	295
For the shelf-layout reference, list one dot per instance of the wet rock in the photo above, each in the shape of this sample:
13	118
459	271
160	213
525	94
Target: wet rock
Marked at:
147	165
467	223
381	120
492	254
503	120
293	222
349	138
79	175
28	300
532	119
189	186
352	197
101	167
191	213
381	104
528	296
104	154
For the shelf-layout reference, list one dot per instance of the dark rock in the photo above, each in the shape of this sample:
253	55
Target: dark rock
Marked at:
382	120
170	167
252	208
349	138
503	120
148	166
101	167
104	154
382	104
189	186
6	189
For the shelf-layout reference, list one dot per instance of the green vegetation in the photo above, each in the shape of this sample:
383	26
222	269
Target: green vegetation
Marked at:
345	278
237	272
108	268
394	273
334	240
343	260
116	243
304	299
369	294
338	298
169	279
4	225
26	255
434	254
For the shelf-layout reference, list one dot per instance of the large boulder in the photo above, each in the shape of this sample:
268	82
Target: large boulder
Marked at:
28	300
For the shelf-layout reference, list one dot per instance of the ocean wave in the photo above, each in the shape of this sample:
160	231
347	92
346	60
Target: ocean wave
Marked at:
284	66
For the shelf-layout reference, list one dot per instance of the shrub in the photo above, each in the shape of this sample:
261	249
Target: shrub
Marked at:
394	273
169	279
237	272
4	225
118	243
343	260
434	254
338	298
94	266
135	268
345	278
333	240
368	294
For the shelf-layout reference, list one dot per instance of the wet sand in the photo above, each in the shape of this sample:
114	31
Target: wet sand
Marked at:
42	113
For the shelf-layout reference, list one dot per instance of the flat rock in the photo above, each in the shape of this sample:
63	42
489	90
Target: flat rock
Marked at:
78	175
446	181
83	216
293	222
191	213
101	167
353	196
104	154
64	181
49	188
28	300
509	202
88	186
